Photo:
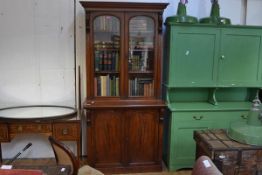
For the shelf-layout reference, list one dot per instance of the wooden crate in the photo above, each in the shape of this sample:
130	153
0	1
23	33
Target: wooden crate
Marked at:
231	157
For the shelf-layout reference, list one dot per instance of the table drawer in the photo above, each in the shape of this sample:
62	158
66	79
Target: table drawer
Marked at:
67	131
3	133
30	128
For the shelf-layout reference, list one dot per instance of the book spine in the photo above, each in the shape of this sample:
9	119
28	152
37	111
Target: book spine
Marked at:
99	86
97	60
95	86
117	86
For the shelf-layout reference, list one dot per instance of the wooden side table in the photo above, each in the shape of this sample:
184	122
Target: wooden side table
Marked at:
58	121
231	157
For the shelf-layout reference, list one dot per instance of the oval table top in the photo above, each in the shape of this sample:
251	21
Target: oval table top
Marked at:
36	112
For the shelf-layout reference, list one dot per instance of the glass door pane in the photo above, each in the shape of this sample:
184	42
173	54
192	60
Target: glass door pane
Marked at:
141	56
106	55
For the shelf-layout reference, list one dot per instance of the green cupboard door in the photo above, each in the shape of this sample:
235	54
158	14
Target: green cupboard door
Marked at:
181	142
193	53
240	59
182	150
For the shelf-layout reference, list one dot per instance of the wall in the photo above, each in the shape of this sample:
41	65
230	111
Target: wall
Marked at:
36	61
37	56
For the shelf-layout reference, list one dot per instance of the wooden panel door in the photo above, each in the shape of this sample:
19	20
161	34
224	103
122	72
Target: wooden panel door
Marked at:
193	56
240	59
105	138
182	146
143	137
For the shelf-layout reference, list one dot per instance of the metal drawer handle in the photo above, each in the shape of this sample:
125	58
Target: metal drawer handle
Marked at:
198	118
65	131
244	116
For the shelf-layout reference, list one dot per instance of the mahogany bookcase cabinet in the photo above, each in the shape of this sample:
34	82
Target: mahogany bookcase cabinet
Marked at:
123	105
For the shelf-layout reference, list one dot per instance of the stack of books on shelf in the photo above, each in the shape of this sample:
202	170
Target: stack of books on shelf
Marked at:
141	87
116	41
140	61
106	85
106	60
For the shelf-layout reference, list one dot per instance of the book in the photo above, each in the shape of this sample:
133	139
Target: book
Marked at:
97	60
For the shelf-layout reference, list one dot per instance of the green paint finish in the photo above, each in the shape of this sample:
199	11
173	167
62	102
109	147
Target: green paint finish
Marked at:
181	147
212	74
204	56
240	58
181	16
193	60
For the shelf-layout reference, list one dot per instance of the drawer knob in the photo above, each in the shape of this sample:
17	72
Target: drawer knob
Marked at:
65	131
39	127
20	128
198	117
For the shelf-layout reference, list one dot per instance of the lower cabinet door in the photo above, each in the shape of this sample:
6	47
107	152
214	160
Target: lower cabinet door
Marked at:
105	138
182	148
142	135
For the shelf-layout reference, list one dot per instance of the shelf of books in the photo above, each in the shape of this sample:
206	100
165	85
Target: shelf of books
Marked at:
106	85
141	57
141	86
106	56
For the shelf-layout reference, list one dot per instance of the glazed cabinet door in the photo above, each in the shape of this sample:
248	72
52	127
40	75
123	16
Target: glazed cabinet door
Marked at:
105	138
193	56
105	53
143	137
141	54
240	57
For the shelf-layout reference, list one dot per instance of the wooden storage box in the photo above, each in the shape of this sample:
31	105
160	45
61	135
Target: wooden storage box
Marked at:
231	157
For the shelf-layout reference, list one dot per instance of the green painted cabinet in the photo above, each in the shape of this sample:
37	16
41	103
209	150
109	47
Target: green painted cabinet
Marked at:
211	56
212	73
240	57
197	52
